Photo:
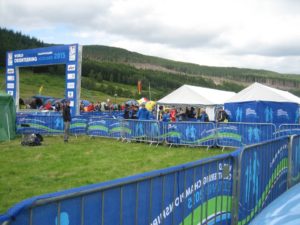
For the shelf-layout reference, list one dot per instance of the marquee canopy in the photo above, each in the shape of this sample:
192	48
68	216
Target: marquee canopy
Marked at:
260	92
196	96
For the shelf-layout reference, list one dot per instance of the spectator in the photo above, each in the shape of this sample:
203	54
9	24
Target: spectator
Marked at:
222	116
160	112
91	107
126	112
143	113
203	117
173	115
57	106
181	114
67	120
97	107
48	106
192	113
81	107
133	112
166	116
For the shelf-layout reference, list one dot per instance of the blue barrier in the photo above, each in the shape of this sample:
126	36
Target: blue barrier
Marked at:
288	129
226	189
198	192
187	133
263	177
294	161
241	134
178	133
142	130
104	127
49	125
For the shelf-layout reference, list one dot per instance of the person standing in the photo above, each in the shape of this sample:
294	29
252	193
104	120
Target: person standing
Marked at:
67	120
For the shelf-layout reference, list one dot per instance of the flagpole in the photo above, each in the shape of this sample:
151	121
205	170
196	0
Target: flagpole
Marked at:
149	92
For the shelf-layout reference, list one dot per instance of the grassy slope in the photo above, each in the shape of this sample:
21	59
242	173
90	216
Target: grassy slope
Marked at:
54	166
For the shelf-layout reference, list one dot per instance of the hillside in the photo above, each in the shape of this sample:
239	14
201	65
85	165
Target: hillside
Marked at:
111	71
239	76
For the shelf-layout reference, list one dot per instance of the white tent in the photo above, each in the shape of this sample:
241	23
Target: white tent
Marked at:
259	103
260	92
188	95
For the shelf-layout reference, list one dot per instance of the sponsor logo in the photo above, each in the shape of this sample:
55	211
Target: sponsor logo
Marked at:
10	59
10	71
10	85
71	85
71	76
70	94
72	53
281	112
10	78
10	93
71	67
228	112
250	112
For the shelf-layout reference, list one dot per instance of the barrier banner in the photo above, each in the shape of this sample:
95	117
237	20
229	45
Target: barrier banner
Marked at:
295	161
48	125
240	134
263	177
189	133
104	127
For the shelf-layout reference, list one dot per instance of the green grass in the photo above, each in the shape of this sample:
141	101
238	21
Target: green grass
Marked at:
54	166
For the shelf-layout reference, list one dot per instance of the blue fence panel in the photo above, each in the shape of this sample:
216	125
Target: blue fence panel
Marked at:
295	161
190	133
288	129
198	192
41	124
241	134
263	177
142	130
78	125
103	127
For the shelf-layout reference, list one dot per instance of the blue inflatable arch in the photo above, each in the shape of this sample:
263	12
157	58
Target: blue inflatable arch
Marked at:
70	55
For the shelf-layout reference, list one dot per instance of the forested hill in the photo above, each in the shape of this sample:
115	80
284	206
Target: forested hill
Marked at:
10	40
241	76
106	69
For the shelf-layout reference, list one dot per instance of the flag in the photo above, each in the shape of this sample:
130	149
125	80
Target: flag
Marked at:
41	89
139	86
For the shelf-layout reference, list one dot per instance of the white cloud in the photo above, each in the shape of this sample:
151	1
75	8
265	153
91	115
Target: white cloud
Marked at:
249	33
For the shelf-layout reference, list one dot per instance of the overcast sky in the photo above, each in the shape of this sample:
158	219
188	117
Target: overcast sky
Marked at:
260	34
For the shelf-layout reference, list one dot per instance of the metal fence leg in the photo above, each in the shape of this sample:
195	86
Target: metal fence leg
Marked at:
235	189
290	162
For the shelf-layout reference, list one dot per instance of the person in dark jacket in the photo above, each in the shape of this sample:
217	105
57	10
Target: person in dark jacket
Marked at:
67	120
126	112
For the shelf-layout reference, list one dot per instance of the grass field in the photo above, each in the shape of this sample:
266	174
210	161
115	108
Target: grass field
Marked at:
54	166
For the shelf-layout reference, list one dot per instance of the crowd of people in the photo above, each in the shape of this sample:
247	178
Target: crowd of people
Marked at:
139	112
190	114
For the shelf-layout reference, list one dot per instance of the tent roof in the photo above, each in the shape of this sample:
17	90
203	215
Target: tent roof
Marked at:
260	92
193	95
